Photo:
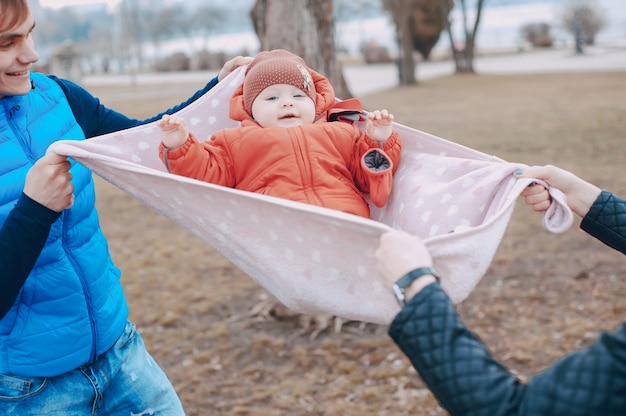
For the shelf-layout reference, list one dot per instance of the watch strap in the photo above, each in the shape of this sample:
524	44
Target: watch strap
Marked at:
401	284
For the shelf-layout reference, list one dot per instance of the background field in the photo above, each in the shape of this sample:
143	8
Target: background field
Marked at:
543	295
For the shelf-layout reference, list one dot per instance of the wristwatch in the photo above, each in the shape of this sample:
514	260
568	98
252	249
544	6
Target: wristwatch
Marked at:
400	286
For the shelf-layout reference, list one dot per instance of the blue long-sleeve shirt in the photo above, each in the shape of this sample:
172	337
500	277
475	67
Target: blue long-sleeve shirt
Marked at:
24	233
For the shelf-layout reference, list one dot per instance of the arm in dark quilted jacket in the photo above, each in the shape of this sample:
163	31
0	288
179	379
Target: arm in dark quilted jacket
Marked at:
452	361
591	381
22	238
462	374
606	220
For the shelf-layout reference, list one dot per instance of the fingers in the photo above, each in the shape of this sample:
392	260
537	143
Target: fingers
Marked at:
539	200
399	253
547	173
378	126
233	64
170	122
174	131
537	196
61	186
161	123
238	61
534	190
52	158
380	115
49	182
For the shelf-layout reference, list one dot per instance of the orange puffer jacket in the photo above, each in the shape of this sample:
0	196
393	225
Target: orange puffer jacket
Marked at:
324	163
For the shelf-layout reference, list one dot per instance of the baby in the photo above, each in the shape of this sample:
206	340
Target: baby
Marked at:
285	146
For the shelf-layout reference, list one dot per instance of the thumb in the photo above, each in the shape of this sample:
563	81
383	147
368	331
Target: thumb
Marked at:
536	172
52	158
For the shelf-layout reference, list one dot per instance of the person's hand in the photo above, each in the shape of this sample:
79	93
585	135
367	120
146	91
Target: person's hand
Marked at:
378	126
233	64
49	182
398	254
537	196
174	131
580	194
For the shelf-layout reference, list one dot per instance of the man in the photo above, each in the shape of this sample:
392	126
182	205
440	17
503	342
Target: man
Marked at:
66	345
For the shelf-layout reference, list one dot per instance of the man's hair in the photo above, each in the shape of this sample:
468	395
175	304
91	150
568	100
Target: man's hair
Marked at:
12	12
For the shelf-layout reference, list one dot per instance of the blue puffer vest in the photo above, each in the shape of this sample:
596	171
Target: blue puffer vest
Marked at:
71	307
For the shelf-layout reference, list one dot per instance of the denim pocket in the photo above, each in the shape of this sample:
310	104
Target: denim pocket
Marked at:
126	337
12	387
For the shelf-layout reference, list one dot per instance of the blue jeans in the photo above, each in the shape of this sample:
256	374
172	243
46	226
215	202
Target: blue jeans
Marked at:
125	380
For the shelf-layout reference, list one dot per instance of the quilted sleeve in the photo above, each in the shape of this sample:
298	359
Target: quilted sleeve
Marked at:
606	221
465	378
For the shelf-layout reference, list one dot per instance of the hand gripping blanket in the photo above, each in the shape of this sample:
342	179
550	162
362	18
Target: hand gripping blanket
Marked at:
317	260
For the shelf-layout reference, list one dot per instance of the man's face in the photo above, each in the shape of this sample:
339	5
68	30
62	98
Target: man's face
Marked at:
17	55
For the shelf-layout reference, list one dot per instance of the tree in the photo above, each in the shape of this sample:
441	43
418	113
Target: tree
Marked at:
206	18
399	10
160	22
463	54
427	23
132	33
419	24
583	19
306	28
538	34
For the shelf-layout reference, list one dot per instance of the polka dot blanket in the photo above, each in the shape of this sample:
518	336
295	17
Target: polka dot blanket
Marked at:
317	260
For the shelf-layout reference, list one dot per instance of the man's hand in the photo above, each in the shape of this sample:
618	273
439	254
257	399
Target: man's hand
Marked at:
49	182
233	64
399	253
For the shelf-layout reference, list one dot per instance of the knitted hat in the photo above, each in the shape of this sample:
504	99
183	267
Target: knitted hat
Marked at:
275	67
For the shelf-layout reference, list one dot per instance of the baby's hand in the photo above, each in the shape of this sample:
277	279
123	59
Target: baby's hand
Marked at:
378	126
173	131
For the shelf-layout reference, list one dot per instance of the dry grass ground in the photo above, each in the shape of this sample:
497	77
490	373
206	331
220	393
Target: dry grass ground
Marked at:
543	295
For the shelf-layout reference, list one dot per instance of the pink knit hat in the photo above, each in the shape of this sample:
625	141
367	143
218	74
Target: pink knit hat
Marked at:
275	67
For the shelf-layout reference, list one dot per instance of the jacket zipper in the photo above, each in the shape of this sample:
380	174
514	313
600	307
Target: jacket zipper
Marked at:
13	108
92	355
305	169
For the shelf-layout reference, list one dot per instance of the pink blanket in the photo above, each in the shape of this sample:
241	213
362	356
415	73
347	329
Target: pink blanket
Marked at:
317	260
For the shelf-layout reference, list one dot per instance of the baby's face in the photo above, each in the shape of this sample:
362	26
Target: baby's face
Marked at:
283	105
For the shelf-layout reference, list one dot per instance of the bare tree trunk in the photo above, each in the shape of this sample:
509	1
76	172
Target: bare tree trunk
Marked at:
400	11
464	56
405	35
445	10
306	28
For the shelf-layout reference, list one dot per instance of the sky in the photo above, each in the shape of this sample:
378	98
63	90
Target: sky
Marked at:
62	3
